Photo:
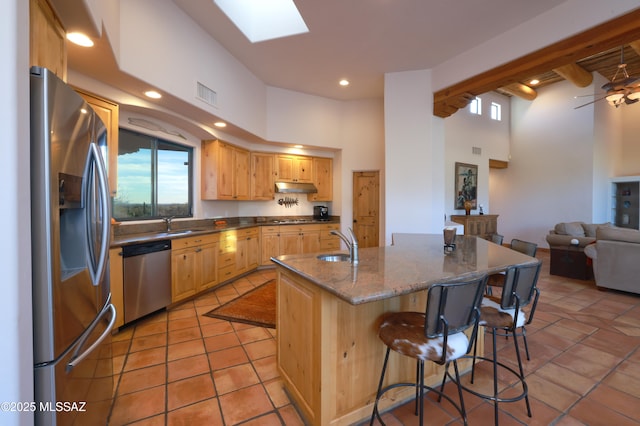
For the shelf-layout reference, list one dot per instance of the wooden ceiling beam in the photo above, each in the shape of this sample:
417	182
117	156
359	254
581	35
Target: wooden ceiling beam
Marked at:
597	39
635	45
575	74
520	90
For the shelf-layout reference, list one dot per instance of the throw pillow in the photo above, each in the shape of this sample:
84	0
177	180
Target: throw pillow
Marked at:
573	229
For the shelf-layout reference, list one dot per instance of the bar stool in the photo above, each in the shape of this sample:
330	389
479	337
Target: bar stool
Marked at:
437	335
503	316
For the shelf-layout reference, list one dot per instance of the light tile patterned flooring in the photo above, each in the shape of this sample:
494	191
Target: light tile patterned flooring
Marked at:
182	368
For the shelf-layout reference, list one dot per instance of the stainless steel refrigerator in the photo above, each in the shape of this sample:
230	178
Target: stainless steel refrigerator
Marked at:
70	219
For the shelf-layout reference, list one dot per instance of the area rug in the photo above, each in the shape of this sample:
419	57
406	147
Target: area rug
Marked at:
256	307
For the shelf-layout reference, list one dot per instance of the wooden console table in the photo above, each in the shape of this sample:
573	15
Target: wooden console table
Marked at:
480	225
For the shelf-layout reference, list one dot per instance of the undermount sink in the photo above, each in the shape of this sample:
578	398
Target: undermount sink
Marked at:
181	232
334	257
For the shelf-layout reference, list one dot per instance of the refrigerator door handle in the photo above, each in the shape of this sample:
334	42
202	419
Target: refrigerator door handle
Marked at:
77	359
94	157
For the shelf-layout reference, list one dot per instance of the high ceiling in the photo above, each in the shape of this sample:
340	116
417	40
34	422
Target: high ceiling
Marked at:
361	40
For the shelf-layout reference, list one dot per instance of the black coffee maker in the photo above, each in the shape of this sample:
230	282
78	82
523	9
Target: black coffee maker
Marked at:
320	213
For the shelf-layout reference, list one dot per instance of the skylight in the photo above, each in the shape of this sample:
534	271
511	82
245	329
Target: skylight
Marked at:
261	20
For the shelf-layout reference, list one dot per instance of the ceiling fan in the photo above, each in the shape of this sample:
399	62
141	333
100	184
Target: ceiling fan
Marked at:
622	89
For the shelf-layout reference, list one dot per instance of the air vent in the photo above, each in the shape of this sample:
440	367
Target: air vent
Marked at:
476	150
206	95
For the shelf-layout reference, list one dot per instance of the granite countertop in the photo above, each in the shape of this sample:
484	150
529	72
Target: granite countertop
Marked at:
412	263
134	234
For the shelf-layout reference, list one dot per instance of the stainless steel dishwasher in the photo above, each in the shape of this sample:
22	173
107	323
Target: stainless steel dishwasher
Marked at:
147	278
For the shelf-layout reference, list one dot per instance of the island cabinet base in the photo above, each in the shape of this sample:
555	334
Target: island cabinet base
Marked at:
329	354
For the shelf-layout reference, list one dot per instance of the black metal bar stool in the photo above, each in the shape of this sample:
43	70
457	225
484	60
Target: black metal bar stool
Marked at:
503	316
436	335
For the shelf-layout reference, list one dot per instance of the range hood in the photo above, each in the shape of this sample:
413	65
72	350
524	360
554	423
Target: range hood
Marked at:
295	188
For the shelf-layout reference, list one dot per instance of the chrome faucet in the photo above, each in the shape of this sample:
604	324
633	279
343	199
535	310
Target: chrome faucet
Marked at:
352	244
168	220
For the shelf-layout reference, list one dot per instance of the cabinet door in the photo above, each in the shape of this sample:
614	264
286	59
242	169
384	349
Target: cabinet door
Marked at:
208	264
262	176
253	252
47	43
225	171
270	244
322	179
290	242
241	176
108	112
116	275
310	242
303	171
184	274
285	168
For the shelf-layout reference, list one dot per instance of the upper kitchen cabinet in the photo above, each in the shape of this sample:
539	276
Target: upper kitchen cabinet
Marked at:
108	112
322	179
262	176
225	171
47	46
294	168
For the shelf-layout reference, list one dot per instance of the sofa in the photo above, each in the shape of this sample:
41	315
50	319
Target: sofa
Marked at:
567	241
616	258
562	234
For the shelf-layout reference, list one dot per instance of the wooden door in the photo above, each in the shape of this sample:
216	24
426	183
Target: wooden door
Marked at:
225	171
310	242
208	259
366	208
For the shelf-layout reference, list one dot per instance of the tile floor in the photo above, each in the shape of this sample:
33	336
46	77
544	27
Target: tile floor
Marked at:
182	368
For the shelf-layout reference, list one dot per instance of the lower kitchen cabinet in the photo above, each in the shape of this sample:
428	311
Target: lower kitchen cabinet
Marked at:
193	266
239	252
116	274
297	239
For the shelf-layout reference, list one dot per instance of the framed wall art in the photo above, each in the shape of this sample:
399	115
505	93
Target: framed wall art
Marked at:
466	185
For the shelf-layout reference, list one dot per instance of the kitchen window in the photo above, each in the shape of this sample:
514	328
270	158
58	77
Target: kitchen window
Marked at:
154	178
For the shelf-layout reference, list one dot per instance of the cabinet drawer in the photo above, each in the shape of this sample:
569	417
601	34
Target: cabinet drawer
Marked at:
180	243
226	273
332	244
227	258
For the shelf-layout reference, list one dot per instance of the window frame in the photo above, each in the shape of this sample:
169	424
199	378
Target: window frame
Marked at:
156	144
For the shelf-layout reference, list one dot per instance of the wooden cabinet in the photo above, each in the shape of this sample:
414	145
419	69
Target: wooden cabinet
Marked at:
116	275
247	250
322	179
262	176
225	171
47	43
294	168
108	112
299	239
193	265
328	241
238	252
479	225
269	244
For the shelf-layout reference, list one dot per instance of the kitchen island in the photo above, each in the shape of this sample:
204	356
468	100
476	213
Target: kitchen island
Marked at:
328	352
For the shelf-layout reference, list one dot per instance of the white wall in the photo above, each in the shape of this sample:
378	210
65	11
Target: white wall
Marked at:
463	132
550	175
154	35
16	359
628	164
414	150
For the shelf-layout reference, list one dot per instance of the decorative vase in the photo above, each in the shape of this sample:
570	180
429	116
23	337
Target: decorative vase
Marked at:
467	207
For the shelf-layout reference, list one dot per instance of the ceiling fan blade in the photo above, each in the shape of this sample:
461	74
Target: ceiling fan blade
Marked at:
589	103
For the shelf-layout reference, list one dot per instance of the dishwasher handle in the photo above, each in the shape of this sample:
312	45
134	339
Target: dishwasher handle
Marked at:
145	248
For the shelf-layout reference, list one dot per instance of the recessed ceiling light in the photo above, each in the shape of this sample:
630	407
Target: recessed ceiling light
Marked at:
344	82
80	39
152	94
220	124
298	146
261	20
534	82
